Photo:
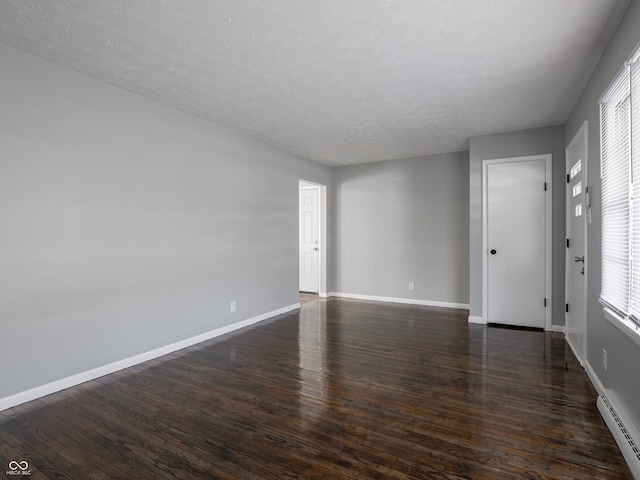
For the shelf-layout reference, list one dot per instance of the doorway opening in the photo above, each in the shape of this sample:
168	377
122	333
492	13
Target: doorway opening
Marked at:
312	238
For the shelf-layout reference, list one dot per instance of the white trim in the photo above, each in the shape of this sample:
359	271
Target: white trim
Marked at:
626	326
631	428
410	301
73	380
575	352
478	320
584	128
632	58
548	240
636	55
322	231
558	328
323	295
595	380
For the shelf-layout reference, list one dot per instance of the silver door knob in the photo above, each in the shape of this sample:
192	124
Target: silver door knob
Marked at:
578	259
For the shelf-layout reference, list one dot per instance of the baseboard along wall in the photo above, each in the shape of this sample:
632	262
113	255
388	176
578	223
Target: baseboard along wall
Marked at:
73	380
478	320
616	418
410	301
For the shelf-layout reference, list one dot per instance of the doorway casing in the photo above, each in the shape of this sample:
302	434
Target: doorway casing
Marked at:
548	236
322	235
576	286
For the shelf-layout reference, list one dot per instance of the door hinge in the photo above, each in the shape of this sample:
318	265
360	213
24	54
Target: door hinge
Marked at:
545	302
568	178
567	243
566	307
545	186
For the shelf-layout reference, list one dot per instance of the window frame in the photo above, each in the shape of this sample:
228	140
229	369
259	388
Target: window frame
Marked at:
625	318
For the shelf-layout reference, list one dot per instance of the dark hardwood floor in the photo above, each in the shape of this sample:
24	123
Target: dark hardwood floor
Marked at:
308	297
340	389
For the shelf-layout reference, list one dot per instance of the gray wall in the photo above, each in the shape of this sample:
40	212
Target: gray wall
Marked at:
126	225
623	374
403	221
516	144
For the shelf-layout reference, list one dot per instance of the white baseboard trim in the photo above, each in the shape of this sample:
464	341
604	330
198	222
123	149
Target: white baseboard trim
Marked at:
622	428
478	320
481	321
578	357
73	380
410	301
595	381
323	295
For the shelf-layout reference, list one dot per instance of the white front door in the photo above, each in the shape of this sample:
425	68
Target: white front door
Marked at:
575	274
516	241
309	240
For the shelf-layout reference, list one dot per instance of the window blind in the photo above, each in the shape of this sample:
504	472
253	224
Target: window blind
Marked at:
634	74
620	182
615	110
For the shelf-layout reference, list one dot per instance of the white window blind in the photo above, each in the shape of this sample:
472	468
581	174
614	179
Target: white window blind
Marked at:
616	179
634	308
620	120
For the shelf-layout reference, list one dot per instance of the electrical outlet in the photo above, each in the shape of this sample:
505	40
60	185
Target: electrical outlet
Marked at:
604	359
233	306
412	286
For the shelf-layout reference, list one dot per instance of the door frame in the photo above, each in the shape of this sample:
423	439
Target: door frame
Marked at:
548	225
584	129
322	233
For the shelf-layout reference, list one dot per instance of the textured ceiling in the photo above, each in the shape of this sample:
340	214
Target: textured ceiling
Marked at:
337	81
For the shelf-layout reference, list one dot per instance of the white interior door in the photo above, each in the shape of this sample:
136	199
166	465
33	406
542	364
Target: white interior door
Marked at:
309	240
516	241
575	274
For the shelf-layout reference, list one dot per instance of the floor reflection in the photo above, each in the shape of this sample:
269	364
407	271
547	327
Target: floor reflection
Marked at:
312	341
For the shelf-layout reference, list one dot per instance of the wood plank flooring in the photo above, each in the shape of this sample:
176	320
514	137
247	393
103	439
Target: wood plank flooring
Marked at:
308	297
340	389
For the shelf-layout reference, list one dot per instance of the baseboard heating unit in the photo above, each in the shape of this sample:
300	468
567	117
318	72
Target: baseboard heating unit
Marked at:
623	435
